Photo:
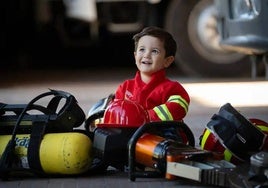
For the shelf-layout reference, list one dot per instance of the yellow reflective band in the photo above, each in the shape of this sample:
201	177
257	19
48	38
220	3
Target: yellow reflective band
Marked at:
179	100
163	112
204	138
227	155
263	128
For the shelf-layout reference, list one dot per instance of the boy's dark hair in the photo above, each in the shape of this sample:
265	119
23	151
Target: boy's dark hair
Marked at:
169	42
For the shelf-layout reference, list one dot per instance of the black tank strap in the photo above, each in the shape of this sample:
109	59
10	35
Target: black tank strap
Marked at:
38	132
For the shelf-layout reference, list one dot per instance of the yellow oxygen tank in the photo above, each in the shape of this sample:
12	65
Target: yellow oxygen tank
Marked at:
60	153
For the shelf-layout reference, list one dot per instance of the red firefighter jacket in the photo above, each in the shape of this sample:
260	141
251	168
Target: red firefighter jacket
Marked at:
162	98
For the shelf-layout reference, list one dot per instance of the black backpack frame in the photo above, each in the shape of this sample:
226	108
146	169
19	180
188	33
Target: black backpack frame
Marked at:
51	119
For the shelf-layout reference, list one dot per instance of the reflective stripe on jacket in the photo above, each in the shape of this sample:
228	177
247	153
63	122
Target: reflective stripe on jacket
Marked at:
163	111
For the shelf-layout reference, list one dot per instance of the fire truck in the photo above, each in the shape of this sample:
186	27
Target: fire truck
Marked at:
194	24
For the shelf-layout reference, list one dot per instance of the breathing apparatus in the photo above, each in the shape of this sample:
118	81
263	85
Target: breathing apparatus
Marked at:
30	142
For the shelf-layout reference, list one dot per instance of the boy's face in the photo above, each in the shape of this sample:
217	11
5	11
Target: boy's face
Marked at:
150	55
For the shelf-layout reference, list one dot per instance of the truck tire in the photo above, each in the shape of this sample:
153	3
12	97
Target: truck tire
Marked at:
193	25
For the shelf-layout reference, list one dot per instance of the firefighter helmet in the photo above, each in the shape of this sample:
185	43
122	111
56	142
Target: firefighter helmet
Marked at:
124	113
208	141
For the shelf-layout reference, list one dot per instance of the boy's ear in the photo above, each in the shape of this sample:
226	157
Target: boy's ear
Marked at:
169	60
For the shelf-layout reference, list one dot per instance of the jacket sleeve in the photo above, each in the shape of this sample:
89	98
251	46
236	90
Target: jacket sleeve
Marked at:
174	108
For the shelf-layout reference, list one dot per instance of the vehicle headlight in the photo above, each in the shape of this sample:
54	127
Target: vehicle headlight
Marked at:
245	9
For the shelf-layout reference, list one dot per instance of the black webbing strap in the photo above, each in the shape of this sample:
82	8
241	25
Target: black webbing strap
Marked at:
38	131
